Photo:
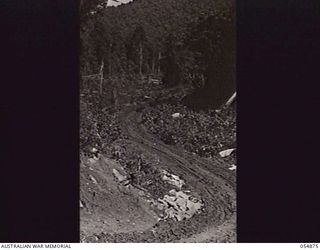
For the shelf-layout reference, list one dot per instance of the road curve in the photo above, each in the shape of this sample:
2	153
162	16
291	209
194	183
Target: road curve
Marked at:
210	178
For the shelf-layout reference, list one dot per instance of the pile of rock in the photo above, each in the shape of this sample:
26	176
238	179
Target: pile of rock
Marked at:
123	179
179	205
172	179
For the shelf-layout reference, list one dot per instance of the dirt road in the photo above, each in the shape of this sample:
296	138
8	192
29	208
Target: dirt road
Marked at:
117	214
211	179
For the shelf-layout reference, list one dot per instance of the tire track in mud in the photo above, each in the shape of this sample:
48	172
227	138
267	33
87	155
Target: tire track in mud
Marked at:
210	179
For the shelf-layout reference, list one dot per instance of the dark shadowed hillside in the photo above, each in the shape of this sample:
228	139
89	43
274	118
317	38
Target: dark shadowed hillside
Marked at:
184	41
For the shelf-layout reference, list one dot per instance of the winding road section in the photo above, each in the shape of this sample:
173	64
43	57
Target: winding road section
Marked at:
211	179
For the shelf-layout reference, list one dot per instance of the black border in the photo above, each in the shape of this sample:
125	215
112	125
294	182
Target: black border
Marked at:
278	130
39	109
278	58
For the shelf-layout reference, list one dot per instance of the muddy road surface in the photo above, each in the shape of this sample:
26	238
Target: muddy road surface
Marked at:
117	209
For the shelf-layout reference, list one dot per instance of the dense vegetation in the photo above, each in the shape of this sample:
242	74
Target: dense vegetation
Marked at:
201	133
187	42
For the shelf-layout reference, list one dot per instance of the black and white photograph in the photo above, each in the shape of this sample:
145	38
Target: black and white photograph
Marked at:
157	121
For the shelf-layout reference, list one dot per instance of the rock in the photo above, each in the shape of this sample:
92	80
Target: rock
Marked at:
182	204
182	195
125	183
233	167
179	217
171	213
120	177
226	152
93	179
179	206
176	115
92	160
81	205
94	150
172	192
160	206
172	179
169	199
141	193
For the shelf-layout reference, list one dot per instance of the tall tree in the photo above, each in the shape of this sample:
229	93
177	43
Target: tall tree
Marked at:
170	68
136	48
214	41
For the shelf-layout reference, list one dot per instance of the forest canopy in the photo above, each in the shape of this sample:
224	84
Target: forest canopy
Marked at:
184	41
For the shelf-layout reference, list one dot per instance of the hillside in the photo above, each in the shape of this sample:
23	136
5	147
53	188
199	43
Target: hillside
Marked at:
153	124
164	37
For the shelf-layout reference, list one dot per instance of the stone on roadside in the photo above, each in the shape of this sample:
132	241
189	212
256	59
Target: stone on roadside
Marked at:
233	167
176	115
120	177
94	150
226	152
93	179
141	193
172	192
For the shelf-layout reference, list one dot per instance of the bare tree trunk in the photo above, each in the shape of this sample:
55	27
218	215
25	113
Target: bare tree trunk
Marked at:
110	51
115	97
141	59
202	80
115	93
153	64
101	76
159	59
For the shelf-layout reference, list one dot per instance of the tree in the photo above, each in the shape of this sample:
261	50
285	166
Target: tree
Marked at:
214	42
170	68
136	48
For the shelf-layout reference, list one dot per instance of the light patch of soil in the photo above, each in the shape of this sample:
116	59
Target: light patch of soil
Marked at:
107	206
222	234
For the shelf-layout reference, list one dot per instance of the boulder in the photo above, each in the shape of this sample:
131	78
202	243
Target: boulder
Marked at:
226	152
120	177
176	115
233	167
